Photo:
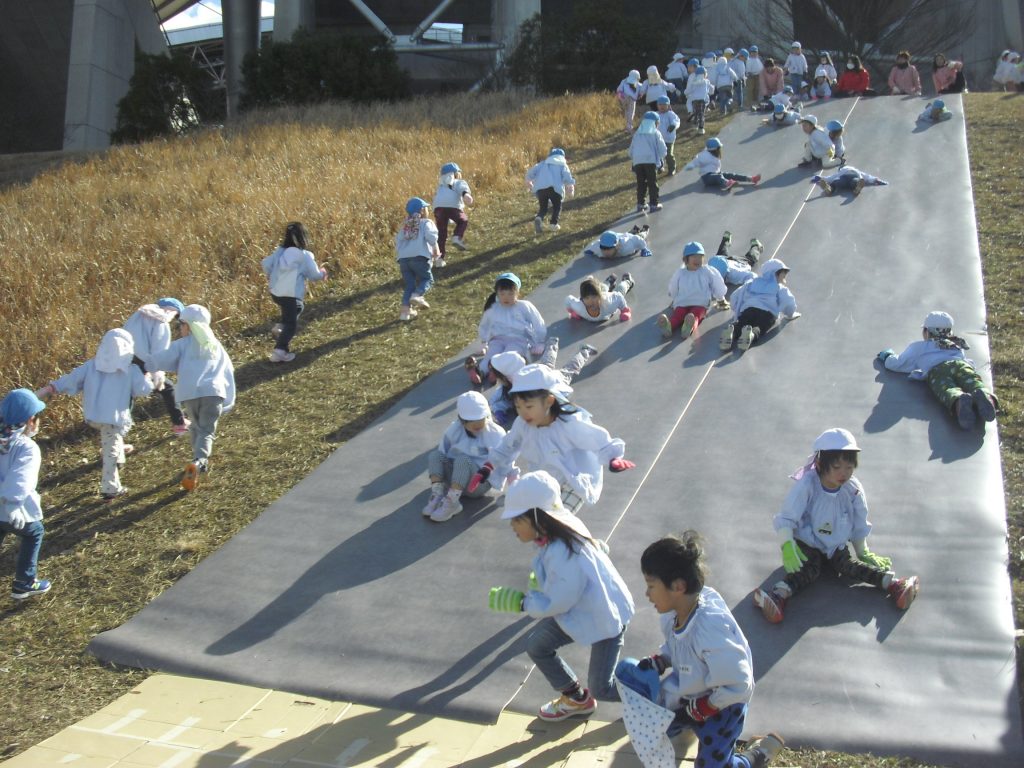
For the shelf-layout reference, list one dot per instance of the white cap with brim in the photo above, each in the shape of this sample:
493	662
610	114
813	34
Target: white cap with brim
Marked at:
195	313
939	321
835	439
472	406
537	376
539	490
508	364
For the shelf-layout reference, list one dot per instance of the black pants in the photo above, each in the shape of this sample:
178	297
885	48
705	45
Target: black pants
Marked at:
842	562
291	308
751	256
761	320
549	196
959	85
167	395
646	183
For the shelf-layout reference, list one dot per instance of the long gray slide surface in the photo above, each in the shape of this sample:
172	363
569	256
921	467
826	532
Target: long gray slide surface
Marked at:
341	589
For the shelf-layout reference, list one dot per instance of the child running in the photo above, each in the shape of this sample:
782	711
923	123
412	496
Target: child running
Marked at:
287	269
460	453
698	95
847	178
574	590
416	244
692	289
150	327
824	521
647	151
550	180
108	383
938	358
557	436
600	300
508	324
757	305
708	164
450	203
620	245
710	670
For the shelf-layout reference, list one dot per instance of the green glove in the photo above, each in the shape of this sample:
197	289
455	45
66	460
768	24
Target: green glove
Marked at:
793	557
870	558
534	584
505	600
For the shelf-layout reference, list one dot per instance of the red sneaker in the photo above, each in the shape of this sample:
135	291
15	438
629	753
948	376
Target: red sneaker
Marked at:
756	179
473	370
729	184
904	591
771	605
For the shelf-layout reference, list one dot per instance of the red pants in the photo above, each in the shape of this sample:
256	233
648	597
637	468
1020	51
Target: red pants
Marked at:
681	312
444	215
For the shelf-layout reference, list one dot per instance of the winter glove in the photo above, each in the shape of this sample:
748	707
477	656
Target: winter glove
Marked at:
671	129
17	519
482	474
645	252
533	583
885	354
793	557
505	600
512	477
625	314
573	315
700	710
655	662
870	558
620	465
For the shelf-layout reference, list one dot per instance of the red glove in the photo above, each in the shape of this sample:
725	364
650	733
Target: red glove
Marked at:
573	315
655	662
615	465
625	314
481	475
700	710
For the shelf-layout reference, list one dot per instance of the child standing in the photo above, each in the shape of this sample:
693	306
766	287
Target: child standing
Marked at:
647	150
150	327
450	203
939	359
575	591
460	453
698	94
757	305
620	245
552	434
1004	71
600	300
739	69
903	77
755	66
287	270
653	87
206	385
708	164
668	124
824	520
676	73
935	112
849	178
795	66
416	243
21	512
628	94
691	290
508	324
108	383
818	148
550	180
710	668
723	79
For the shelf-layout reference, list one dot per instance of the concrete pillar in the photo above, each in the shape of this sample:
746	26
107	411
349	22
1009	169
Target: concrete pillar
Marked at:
291	15
506	18
241	36
104	34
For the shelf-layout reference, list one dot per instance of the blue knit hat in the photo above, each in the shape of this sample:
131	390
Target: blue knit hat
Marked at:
693	248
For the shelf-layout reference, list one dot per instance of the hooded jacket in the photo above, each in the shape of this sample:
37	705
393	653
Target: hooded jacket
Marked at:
765	292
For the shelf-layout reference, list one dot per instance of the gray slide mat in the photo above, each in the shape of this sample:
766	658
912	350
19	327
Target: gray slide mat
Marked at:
340	589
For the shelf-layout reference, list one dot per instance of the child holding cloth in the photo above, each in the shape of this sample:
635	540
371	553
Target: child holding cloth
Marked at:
150	327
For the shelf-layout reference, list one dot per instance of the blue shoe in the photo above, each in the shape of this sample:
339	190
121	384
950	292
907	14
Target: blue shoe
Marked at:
37	587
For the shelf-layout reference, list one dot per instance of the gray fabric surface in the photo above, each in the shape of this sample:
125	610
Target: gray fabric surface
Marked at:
341	589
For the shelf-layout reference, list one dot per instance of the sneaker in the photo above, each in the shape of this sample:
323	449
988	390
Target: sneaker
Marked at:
458	243
564	707
858	187
635	230
554	227
538	224
771	605
755	245
641	208
984	405
473	371
588	350
727	237
746	338
729	184
108	497
904	591
449	508
665	325
191	476
203	466
689	323
761	750
964	410
37	587
755	179
433	503
725	340
610	281
181	429
657	207
440	262
419	301
280	356
700	131
276	330
407	314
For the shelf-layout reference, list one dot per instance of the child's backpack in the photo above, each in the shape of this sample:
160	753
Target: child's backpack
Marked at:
285	275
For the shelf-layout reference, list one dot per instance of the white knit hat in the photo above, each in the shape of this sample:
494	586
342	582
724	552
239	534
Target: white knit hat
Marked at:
472	406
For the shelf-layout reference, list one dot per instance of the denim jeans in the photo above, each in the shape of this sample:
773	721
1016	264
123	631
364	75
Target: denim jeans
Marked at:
417	275
31	536
542	646
723	96
291	308
204	412
739	92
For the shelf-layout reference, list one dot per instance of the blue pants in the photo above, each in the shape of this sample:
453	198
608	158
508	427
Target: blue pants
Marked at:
31	536
291	308
723	96
795	80
716	737
417	275
738	93
718	179
542	646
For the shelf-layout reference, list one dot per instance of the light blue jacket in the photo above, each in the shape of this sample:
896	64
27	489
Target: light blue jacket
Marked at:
199	375
647	148
581	590
921	356
20	461
150	331
106	397
826	520
302	262
765	293
668	124
551	173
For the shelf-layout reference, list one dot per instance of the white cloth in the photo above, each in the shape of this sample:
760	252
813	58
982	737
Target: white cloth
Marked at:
551	173
647	725
695	288
450	195
826	520
150	329
115	352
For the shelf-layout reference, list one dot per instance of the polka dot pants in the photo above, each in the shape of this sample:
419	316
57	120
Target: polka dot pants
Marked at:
716	737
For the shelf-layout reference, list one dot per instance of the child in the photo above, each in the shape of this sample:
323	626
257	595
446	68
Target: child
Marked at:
935	112
736	271
710	668
939	359
150	327
818	148
708	163
823	516
449	205
849	178
108	383
668	123
739	69
620	245
506	365
554	435
691	290
821	88
599	301
1004	71
757	305
463	448
903	77
508	323
698	94
574	589
647	150
287	269
676	73
795	66
723	79
21	512
628	93
948	76
855	80
781	116
206	385
755	66
416	244
653	87
550	180
835	135
825	63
